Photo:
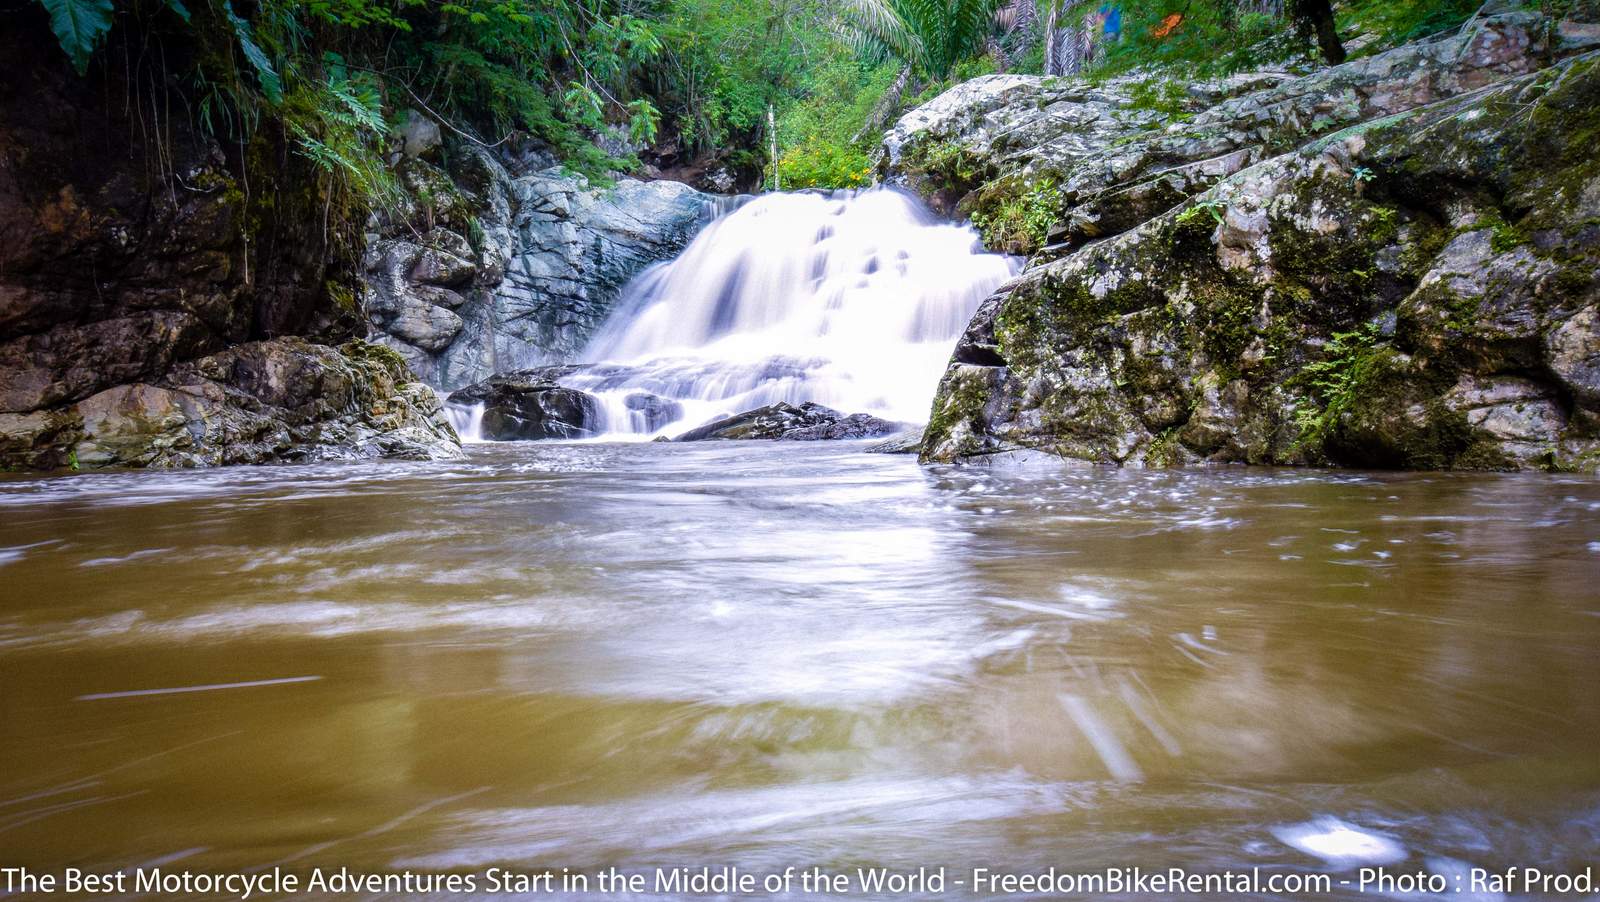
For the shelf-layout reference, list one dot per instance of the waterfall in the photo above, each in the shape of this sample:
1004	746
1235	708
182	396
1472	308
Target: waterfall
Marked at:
851	299
467	421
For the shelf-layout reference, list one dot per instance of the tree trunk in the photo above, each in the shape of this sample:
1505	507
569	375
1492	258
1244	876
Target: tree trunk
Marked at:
1051	42
1314	18
772	130
886	105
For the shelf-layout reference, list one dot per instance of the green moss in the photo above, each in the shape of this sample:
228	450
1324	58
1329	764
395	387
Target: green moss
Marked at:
945	164
383	356
962	397
342	296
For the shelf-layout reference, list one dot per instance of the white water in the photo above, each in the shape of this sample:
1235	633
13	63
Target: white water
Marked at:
466	420
853	300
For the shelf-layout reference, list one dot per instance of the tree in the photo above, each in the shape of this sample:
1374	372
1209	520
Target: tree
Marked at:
930	35
1314	19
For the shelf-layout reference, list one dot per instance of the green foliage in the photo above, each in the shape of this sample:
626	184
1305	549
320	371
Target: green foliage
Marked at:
1021	222
824	164
1333	382
1395	22
1161	95
815	135
1215	208
695	76
931	35
338	123
271	84
79	25
964	70
1214	39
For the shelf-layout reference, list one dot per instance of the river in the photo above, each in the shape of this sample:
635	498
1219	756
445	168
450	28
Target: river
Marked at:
763	655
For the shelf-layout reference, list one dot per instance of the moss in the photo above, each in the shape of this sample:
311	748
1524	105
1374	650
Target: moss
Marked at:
962	396
946	165
1387	412
1166	451
344	298
382	355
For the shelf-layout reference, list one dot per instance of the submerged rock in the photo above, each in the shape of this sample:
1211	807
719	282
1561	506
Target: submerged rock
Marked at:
652	412
900	443
531	405
786	422
1400	269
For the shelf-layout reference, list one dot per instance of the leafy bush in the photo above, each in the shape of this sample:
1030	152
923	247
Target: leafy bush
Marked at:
821	141
1020	223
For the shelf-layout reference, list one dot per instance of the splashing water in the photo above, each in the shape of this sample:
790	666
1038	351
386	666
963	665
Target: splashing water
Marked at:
467	420
853	300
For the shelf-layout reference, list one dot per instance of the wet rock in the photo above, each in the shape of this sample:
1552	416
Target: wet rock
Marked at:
281	400
786	422
512	272
902	443
180	315
418	134
531	405
652	412
1356	289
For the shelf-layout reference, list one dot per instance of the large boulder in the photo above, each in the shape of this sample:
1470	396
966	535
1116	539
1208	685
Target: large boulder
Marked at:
281	400
786	422
529	405
1419	290
1058	162
487	272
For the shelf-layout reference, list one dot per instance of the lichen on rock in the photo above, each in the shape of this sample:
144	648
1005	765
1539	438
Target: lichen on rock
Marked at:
1388	263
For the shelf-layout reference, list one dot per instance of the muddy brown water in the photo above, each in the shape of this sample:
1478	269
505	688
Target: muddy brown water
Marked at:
764	655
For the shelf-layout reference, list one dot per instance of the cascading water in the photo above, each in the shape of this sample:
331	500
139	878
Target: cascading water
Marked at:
853	300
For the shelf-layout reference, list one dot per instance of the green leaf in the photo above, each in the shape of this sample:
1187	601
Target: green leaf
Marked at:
271	85
79	25
178	7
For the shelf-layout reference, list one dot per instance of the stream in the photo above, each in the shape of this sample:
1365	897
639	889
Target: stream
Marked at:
762	655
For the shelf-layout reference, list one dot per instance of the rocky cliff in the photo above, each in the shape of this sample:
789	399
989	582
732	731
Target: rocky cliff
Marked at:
488	272
169	299
174	297
1392	262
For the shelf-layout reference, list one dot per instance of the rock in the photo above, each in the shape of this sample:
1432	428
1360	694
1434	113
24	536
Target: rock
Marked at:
785	422
531	404
1100	158
418	135
545	265
901	443
285	399
1388	263
652	412
179	315
1573	350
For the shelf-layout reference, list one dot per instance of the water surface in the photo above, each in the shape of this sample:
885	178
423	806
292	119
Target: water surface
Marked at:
763	655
